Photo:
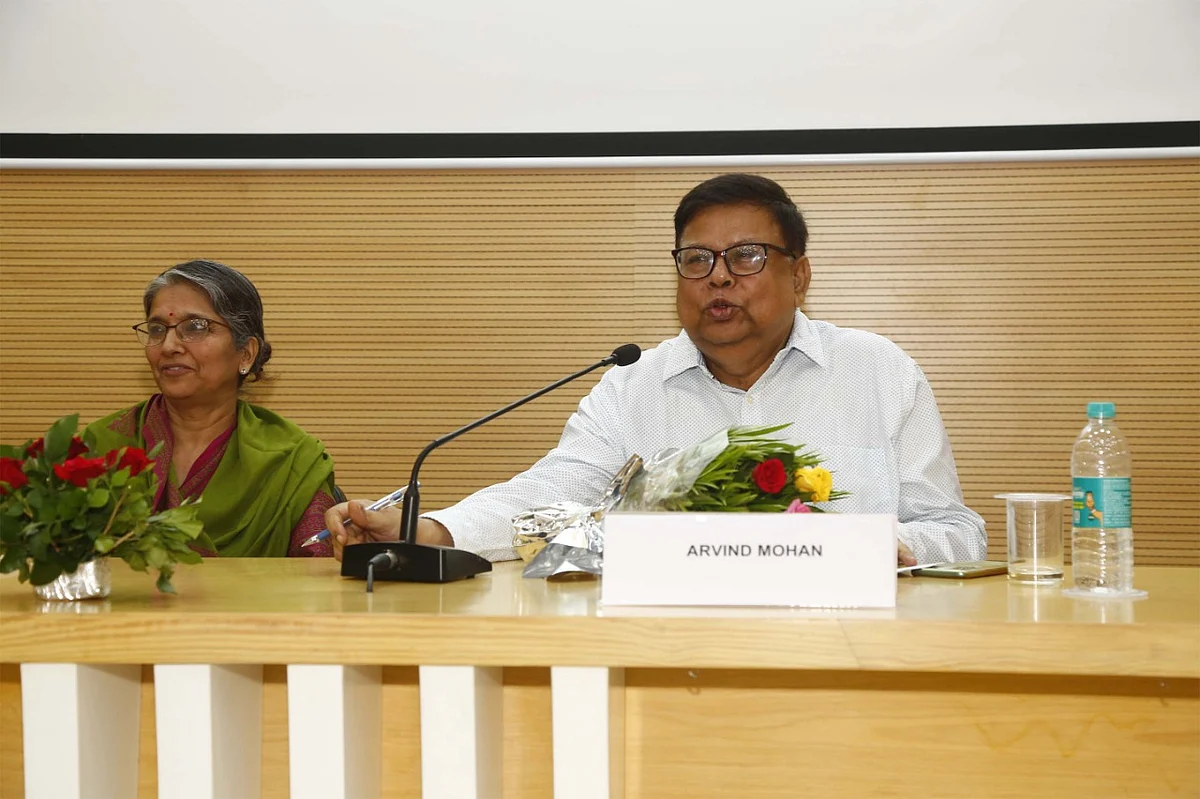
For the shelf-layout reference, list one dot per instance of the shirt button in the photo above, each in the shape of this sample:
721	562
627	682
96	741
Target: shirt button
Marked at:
749	399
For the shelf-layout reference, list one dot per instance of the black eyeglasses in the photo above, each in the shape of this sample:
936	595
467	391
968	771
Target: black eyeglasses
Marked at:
151	334
695	263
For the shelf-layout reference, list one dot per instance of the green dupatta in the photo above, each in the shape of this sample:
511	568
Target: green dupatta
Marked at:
267	476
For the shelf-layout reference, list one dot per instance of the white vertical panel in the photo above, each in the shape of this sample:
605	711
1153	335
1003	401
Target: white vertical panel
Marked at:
80	729
587	708
335	726
209	730
462	732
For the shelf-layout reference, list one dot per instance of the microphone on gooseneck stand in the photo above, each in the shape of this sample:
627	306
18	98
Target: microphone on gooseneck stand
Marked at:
406	560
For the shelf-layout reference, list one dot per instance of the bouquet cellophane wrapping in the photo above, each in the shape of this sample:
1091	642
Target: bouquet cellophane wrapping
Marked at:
566	539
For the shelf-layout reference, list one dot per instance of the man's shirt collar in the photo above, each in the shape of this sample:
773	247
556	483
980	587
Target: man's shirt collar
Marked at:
684	354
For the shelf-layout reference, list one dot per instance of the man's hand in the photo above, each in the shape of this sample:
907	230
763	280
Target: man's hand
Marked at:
376	525
368	525
904	556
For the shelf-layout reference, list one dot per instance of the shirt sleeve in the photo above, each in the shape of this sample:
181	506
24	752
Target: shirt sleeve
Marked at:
589	453
934	522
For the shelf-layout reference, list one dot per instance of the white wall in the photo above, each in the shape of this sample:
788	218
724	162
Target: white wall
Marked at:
401	66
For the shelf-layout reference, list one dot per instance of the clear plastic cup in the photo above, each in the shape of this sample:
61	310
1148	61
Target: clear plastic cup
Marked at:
1035	536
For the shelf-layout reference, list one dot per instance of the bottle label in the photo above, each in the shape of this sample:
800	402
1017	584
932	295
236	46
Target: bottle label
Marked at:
1101	502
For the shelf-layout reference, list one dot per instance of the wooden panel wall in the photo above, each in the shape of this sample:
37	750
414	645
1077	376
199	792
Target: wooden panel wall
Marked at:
403	304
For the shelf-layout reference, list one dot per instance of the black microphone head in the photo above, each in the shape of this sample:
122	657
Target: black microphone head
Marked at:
627	354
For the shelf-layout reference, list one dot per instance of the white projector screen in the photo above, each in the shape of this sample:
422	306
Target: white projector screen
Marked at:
478	66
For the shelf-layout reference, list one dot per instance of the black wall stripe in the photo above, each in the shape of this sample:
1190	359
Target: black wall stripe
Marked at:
599	145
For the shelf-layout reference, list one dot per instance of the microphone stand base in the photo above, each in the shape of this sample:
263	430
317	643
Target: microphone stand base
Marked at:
416	563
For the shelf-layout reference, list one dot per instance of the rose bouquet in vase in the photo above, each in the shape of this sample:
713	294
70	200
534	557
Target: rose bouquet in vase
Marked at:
64	508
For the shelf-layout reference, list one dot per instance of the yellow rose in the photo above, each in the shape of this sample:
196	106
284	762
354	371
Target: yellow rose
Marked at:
815	481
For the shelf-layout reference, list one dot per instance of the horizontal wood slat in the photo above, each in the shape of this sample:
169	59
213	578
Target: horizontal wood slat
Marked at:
403	304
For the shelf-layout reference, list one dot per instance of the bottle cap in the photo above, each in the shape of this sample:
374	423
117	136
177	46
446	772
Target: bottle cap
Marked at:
1102	410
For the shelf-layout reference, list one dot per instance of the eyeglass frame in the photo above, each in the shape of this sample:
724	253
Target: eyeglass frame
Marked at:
721	256
137	329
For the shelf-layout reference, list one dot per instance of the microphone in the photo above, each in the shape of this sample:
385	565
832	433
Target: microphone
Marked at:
406	560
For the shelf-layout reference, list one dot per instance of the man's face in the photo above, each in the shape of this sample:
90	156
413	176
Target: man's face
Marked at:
739	315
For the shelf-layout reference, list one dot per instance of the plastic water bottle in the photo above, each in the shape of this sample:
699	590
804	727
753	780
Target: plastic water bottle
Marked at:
1102	510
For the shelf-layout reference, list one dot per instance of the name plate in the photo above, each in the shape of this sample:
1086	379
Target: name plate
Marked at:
844	560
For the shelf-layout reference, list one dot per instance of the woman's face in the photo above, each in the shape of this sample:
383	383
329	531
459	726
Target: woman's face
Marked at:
1089	500
204	371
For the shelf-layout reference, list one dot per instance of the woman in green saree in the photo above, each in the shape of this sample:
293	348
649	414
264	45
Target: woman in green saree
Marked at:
264	484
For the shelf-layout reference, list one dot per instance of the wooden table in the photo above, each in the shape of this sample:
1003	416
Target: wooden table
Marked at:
281	673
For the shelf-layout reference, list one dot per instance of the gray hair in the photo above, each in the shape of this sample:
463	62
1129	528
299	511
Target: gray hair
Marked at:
233	297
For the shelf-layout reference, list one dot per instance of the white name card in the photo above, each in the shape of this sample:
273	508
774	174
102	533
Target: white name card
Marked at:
845	560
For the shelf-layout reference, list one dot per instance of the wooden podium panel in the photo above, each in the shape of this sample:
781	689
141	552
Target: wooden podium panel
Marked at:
969	688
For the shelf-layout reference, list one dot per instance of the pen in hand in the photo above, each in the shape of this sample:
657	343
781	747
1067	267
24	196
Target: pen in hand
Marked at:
394	498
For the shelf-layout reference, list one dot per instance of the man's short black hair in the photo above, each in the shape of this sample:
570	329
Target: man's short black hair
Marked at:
743	189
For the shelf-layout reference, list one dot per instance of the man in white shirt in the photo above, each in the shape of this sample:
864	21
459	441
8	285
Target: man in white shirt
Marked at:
746	356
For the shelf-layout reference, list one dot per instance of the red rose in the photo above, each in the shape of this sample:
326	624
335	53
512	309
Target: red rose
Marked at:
132	458
770	476
76	448
10	472
78	471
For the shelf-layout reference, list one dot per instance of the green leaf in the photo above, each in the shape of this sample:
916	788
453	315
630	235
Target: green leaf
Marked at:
189	556
98	497
69	561
44	571
39	544
164	581
63	505
104	544
120	478
12	560
191	528
58	438
157	557
12	451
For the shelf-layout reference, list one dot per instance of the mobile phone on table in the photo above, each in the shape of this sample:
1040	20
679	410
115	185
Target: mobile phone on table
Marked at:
963	569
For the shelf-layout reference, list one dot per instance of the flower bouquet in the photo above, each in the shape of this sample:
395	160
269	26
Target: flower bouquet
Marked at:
742	469
63	506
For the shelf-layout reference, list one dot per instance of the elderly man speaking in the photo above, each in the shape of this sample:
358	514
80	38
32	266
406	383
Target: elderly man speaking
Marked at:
746	356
